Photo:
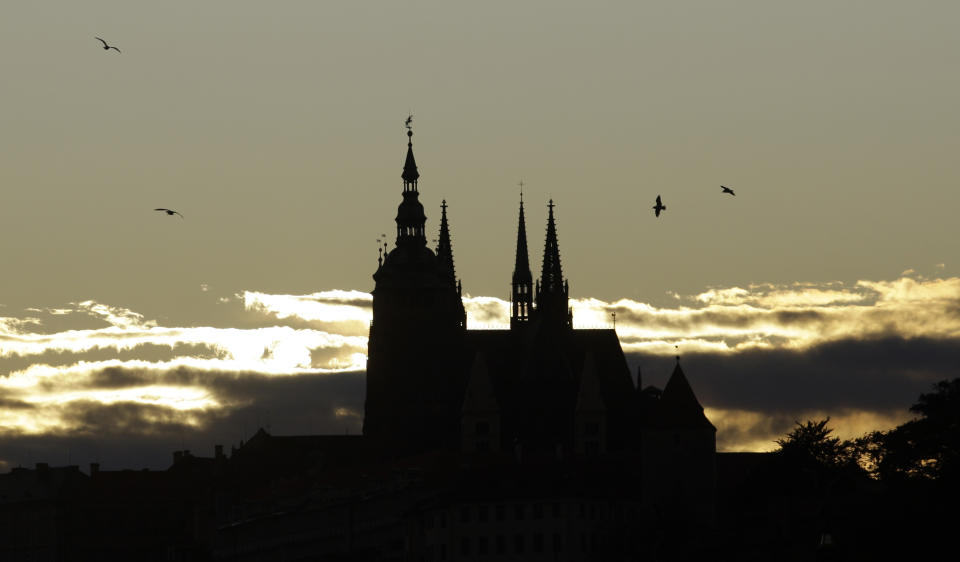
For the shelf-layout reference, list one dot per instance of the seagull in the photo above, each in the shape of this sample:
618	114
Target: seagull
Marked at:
659	207
727	190
107	47
169	212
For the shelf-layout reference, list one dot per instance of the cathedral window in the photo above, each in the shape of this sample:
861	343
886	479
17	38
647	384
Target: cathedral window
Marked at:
519	543
591	448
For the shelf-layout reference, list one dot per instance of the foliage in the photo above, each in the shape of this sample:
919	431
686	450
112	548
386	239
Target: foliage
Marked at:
927	447
811	442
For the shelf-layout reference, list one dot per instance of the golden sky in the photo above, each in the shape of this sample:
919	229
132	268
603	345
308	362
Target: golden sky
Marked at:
277	131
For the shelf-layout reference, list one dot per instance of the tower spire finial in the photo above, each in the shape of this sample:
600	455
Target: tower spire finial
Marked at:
410	174
410	217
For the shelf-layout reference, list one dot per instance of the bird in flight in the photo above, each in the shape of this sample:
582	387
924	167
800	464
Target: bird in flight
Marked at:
107	47
727	190
659	207
169	212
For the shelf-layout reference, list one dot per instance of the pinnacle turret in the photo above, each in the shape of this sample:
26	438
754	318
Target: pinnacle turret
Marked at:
444	247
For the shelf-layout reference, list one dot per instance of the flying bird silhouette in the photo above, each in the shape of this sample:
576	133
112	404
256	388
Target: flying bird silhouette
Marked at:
659	207
107	47
169	212
727	190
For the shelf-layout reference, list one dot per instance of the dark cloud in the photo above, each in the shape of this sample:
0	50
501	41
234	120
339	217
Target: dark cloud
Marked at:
769	389
798	317
143	352
135	435
14	404
87	417
878	375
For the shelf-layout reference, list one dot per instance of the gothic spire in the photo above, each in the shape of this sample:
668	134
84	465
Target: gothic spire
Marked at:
552	292
551	279
444	248
521	269
522	284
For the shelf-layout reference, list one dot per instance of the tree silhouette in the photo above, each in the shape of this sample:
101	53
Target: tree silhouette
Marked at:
927	447
810	443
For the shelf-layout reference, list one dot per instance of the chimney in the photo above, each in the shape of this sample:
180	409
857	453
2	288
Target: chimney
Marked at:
94	468
218	452
177	456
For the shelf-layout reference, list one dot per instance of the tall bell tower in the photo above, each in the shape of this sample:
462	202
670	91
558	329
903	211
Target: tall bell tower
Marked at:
414	380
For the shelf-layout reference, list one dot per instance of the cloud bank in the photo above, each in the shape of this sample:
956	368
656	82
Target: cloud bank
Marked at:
760	357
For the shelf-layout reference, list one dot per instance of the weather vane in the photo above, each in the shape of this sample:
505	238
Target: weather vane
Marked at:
408	121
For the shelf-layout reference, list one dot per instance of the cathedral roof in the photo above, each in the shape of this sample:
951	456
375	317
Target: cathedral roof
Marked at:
678	407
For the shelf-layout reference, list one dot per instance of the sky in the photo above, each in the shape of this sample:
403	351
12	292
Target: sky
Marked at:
826	286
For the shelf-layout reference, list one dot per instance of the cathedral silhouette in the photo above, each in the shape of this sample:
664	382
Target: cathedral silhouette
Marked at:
541	387
527	443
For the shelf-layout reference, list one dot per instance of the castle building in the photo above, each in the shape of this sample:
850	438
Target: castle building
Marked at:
542	387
